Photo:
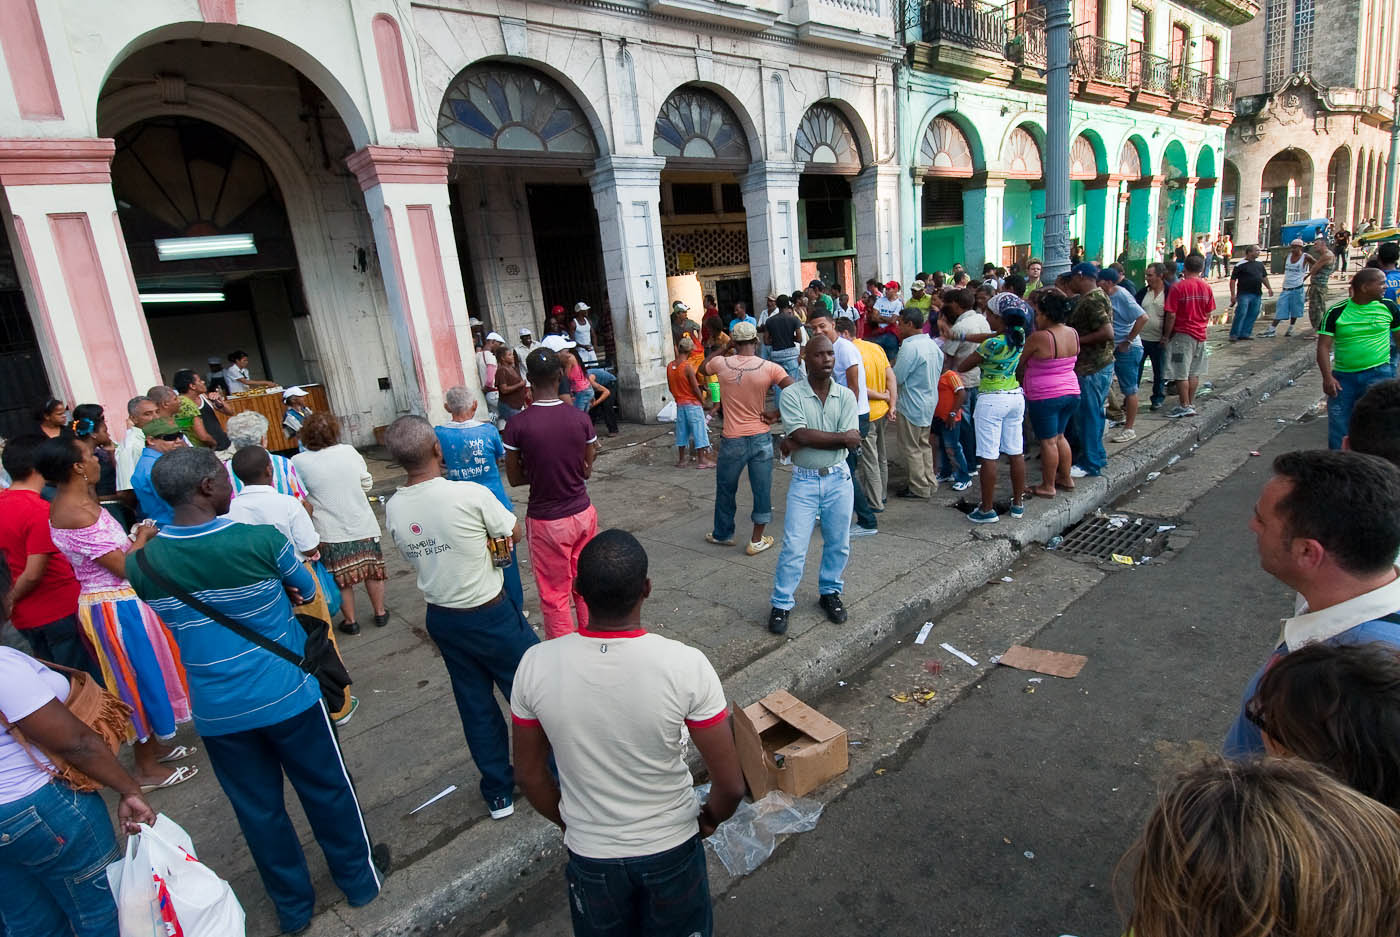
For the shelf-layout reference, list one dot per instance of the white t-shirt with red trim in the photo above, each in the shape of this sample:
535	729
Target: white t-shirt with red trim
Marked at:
612	704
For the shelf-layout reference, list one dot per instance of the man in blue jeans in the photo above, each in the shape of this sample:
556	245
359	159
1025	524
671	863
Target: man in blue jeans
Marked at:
611	701
1092	318
1248	281
744	380
444	528
1358	332
819	418
1128	323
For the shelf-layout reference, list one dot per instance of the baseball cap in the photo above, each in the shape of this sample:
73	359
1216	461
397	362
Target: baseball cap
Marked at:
473	321
1109	275
291	392
892	285
162	428
815	285
581	307
495	337
1085	269
917	286
524	331
744	332
679	306
556	310
557	342
1296	242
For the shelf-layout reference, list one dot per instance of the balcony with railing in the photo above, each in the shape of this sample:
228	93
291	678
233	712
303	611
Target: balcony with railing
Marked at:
858	25
1098	63
1222	94
962	37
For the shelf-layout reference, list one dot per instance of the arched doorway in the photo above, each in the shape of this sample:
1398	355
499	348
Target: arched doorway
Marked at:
1229	199
1023	223
526	226
704	226
1171	207
1088	195
1285	192
947	160
1339	187
1139	229
826	147
229	140
1203	207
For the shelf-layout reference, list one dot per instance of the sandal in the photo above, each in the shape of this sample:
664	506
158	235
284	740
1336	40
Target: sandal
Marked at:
179	776
178	753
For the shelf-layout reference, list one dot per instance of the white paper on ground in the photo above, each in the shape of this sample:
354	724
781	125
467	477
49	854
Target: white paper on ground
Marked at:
923	632
449	789
957	653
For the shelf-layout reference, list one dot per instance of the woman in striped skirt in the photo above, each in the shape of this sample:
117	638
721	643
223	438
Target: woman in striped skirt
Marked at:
139	659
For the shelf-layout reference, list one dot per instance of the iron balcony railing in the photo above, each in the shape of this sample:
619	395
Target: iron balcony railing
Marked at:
1191	84
1025	38
975	25
1149	72
1222	94
1097	59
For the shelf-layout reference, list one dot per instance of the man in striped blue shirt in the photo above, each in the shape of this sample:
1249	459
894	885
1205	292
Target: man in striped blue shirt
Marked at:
261	717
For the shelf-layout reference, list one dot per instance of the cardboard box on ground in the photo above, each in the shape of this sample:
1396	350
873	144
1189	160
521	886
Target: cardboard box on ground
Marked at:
786	745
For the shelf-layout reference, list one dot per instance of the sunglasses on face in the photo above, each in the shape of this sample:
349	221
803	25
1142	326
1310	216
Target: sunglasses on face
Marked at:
171	437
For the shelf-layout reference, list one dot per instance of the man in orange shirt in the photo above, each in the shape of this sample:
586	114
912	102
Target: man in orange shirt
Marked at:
744	380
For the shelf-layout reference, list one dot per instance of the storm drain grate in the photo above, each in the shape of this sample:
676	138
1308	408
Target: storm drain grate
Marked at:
1100	537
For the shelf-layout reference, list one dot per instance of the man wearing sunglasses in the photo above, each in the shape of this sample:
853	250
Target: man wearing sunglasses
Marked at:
162	436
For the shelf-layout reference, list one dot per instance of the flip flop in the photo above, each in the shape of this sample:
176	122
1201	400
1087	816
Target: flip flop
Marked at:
702	466
1041	494
179	776
179	753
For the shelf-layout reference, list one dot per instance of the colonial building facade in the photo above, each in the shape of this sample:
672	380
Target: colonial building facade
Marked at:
1151	101
401	167
1315	107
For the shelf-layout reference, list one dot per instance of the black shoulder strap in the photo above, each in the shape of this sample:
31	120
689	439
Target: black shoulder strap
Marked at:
1393	618
218	617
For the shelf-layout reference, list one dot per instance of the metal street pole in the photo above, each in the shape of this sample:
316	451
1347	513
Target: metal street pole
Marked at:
1057	39
1393	173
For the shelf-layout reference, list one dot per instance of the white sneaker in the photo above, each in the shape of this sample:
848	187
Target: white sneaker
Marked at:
1077	472
1128	435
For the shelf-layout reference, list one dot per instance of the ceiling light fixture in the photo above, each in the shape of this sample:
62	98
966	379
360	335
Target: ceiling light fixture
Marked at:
214	245
204	296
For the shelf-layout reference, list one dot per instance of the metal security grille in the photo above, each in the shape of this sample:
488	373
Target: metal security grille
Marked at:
1100	537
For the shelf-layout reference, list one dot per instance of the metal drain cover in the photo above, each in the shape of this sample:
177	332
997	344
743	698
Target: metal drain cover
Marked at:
1100	536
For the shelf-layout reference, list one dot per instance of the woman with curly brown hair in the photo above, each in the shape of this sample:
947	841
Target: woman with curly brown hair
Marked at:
1270	848
336	480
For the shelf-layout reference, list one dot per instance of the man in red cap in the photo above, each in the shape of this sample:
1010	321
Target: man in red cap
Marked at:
887	310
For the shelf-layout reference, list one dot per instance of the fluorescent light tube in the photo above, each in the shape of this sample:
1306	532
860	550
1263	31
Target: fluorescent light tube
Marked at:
204	296
216	245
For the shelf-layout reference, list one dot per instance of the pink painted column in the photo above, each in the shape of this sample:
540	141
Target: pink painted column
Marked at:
406	194
73	264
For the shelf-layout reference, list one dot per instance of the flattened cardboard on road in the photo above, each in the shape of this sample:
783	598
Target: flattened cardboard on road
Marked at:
1053	663
786	745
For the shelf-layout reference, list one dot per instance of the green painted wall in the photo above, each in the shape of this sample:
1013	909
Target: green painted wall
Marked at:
942	247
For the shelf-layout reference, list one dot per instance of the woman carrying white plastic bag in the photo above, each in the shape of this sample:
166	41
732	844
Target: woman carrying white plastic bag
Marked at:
162	888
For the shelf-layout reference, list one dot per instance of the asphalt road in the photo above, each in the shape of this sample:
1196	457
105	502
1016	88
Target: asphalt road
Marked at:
1009	813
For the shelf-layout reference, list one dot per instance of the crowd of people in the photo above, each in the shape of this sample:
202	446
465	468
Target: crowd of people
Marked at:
104	544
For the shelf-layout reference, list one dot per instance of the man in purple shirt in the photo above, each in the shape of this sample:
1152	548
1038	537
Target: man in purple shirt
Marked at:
551	447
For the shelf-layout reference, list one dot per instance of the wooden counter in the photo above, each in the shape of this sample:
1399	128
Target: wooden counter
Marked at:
270	406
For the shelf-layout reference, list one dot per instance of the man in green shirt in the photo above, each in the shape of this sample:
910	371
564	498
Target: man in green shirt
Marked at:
1357	331
1092	318
919	298
821	426
816	295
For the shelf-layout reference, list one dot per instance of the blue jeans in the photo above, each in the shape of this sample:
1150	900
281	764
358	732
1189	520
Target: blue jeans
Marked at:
864	516
646	896
59	642
1156	352
690	427
967	430
251	766
951	458
756	452
583	399
1127	367
1247	306
55	845
1339	408
813	498
481	650
1085	432
787	360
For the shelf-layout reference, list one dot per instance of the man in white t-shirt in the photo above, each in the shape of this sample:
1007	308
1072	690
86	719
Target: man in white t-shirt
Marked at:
888	305
259	502
486	371
613	703
443	529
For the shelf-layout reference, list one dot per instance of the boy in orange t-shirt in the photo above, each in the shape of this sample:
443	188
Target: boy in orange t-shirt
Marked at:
952	461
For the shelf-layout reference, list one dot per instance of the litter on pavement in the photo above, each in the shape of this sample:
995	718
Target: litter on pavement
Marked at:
746	839
923	632
432	800
1051	663
958	654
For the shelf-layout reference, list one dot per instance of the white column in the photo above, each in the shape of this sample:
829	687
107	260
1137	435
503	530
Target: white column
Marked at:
770	204
406	194
1247	209
62	224
983	205
1188	209
876	195
918	219
627	196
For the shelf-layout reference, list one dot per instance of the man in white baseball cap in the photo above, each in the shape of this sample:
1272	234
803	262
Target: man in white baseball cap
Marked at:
486	370
522	350
582	330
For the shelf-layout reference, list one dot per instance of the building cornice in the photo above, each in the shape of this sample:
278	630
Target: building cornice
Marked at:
56	162
376	165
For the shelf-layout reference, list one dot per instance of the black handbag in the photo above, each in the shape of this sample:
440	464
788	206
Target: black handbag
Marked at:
319	657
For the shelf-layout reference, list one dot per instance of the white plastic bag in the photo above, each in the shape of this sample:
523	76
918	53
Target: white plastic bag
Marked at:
161	888
668	413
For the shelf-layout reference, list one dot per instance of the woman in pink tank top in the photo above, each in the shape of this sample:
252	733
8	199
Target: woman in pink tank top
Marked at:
1052	390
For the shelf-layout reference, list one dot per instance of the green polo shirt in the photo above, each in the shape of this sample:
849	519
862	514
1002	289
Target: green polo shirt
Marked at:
1360	333
802	409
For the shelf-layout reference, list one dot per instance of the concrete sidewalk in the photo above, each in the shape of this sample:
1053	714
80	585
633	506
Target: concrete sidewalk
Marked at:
405	743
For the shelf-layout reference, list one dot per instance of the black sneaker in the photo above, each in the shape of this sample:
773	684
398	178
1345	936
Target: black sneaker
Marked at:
835	611
349	627
778	621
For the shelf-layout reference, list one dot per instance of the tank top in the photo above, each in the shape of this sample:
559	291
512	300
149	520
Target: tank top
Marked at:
680	387
1293	272
1047	378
